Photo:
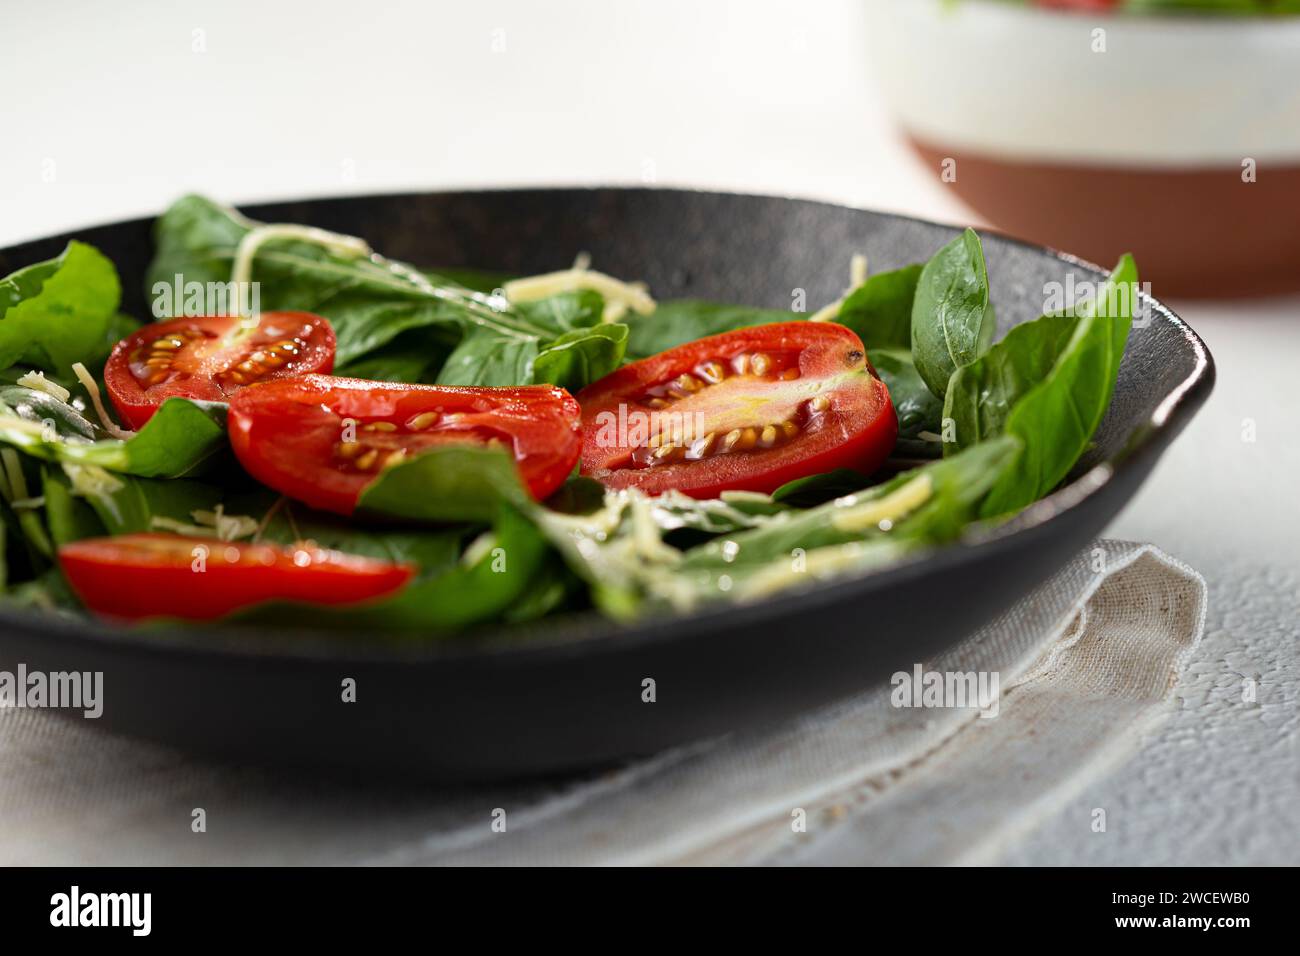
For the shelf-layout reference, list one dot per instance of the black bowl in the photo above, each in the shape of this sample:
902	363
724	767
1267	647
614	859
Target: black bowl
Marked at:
566	693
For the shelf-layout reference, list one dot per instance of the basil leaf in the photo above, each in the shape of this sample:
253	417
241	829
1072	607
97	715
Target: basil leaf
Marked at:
60	311
452	483
1056	416
880	310
952	316
684	320
914	404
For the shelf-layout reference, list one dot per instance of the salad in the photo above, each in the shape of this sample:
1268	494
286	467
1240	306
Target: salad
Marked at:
352	442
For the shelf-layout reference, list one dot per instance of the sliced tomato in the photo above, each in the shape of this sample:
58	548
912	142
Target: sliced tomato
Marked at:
745	410
322	440
211	358
135	576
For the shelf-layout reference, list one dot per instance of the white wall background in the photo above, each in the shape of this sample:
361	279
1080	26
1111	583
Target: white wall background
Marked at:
114	109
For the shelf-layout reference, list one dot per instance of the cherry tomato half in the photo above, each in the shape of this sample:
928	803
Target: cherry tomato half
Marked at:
135	576
745	410
211	358
322	439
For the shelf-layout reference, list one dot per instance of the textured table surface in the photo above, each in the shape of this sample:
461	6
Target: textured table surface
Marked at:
247	101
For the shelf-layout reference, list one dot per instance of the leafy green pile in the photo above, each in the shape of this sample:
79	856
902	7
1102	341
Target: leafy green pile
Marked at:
985	429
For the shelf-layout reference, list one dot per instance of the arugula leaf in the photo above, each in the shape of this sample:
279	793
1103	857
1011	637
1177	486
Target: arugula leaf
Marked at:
880	310
180	437
952	315
1056	414
684	320
451	483
914	404
60	311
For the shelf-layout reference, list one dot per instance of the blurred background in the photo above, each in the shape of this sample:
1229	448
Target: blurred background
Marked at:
113	110
117	113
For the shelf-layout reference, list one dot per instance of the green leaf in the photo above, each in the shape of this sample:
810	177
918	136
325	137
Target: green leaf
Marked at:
565	311
485	357
952	316
817	489
434	550
414	356
452	483
957	486
61	311
69	518
180	437
128	505
684	320
576	359
497	574
914	404
368	301
1056	416
880	310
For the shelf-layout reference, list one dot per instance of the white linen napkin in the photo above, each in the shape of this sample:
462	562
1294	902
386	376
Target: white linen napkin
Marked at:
1084	665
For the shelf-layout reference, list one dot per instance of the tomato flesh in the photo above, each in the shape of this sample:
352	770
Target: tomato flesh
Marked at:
137	576
211	358
745	410
322	439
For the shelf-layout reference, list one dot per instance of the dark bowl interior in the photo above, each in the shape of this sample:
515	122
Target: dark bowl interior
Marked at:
566	693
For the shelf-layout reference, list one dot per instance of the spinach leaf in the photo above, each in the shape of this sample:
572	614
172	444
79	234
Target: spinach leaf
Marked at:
69	518
371	301
451	483
817	489
952	316
578	358
880	310
128	505
180	437
940	499
684	320
495	575
914	404
414	356
433	550
60	311
1052	401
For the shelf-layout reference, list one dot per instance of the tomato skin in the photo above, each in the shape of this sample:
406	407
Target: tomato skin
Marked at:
137	576
289	434
804	363
203	362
